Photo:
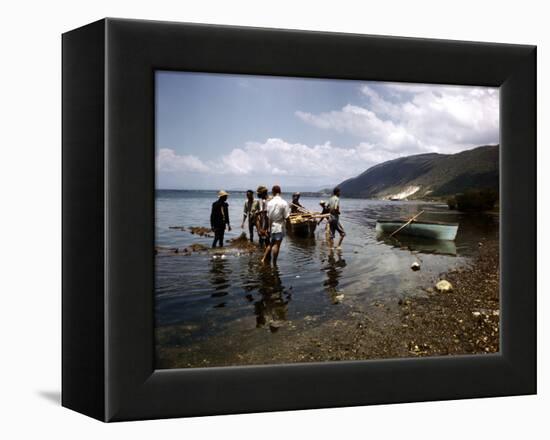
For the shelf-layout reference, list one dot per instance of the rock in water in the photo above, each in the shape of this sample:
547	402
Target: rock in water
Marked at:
197	247
415	266
444	286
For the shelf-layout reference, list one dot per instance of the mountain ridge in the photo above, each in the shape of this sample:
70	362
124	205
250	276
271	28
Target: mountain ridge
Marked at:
428	175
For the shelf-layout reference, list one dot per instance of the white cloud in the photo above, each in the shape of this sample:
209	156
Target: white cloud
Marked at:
277	157
411	119
269	160
366	124
394	120
168	161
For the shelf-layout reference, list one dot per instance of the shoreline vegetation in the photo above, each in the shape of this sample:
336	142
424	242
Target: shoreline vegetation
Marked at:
464	320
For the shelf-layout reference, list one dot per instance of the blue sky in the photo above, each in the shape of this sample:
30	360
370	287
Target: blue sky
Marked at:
239	131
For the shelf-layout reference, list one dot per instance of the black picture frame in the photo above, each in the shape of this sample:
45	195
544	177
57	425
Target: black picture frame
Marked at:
108	219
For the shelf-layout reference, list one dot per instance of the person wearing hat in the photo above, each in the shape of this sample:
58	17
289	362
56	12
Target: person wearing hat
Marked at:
219	218
262	222
249	212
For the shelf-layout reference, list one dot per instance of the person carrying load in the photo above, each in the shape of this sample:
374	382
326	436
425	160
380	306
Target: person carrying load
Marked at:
333	206
250	210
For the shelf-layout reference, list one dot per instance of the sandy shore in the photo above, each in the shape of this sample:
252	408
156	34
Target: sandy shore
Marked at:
462	321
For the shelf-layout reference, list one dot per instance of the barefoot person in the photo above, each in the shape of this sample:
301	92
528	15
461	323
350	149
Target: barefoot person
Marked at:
295	205
277	213
334	219
262	222
324	211
219	218
249	212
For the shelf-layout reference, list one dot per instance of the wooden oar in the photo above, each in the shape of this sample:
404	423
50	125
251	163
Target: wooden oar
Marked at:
397	230
300	208
308	216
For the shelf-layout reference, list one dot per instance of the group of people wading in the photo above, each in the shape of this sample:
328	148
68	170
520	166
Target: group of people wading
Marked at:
268	214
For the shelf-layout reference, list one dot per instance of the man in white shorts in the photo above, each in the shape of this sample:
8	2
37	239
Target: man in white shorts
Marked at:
277	213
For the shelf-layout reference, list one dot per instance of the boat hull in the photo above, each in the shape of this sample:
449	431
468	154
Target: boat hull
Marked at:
436	231
302	229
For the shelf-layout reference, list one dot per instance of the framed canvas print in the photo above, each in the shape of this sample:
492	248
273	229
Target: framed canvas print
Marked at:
262	219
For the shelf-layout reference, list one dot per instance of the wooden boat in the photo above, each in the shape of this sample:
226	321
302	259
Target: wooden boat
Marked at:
434	230
301	225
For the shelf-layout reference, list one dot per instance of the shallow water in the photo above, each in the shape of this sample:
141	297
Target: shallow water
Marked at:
232	294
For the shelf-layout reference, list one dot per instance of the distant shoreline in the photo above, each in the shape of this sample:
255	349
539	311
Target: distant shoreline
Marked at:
238	191
303	193
440	200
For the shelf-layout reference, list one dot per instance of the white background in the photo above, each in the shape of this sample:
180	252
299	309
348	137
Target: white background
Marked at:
30	174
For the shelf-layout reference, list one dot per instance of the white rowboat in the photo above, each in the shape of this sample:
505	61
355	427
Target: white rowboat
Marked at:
434	230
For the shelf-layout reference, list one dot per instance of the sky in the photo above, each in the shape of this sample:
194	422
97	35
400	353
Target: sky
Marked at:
227	131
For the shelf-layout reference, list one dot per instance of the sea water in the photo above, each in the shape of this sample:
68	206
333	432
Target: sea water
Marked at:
232	292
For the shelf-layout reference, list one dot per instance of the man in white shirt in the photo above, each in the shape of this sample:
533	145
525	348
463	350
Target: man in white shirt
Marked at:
277	213
334	219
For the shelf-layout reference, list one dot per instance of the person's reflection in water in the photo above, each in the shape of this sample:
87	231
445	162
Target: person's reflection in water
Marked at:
249	278
219	277
333	269
272	308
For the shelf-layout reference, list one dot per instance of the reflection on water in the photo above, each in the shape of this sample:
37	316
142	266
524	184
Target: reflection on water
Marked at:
272	304
333	269
418	244
219	279
236	293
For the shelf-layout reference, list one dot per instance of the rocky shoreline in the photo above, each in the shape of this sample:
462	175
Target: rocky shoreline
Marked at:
464	320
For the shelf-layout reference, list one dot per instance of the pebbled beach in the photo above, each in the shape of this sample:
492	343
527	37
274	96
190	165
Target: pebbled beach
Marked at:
462	321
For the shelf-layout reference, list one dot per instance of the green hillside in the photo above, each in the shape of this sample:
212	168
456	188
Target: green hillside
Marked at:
428	175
